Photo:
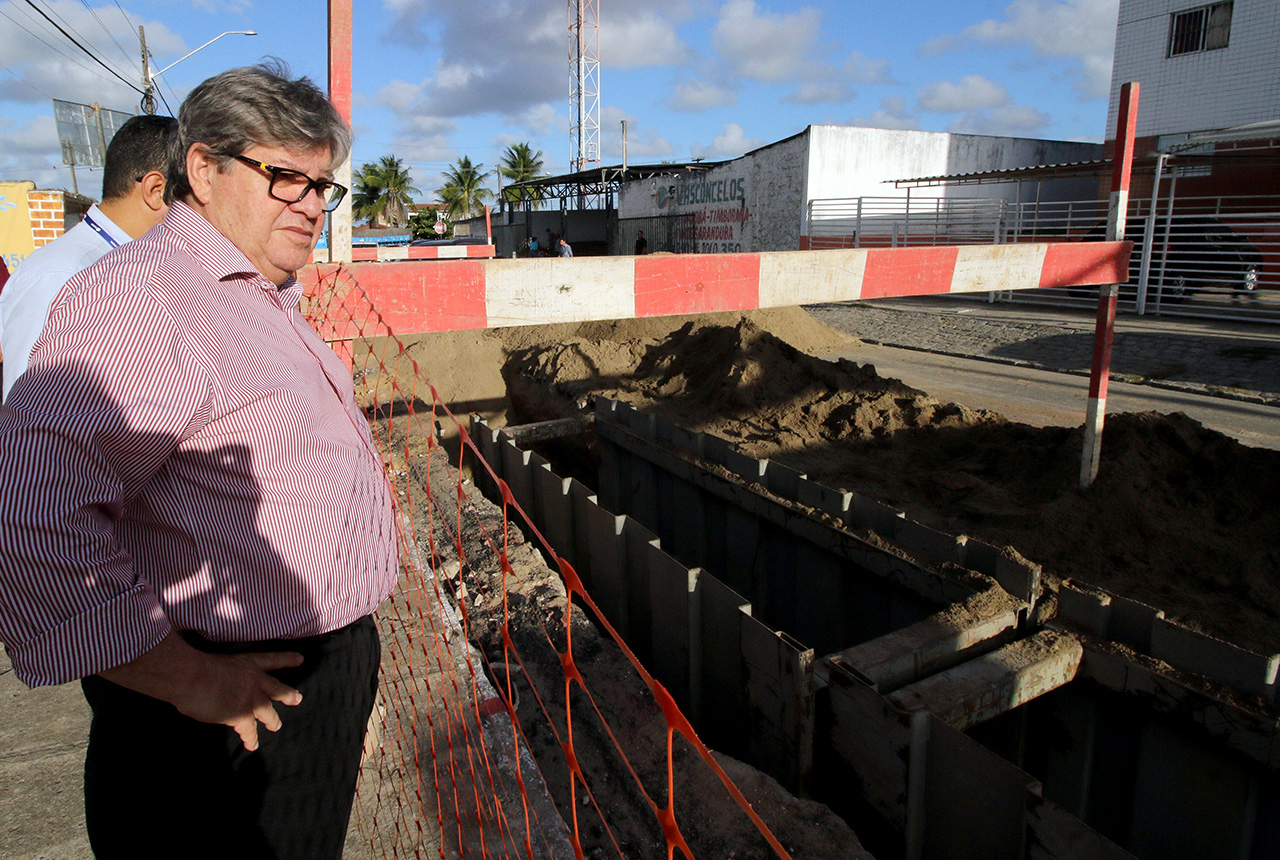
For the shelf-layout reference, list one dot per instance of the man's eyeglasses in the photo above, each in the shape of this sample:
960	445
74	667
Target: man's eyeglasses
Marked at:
291	186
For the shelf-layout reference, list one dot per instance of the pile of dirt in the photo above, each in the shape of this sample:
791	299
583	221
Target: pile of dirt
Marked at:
1180	517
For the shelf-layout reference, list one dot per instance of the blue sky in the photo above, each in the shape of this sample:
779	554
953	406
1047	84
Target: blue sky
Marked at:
694	78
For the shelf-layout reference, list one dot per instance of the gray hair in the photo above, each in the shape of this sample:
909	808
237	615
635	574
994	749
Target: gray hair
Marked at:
254	105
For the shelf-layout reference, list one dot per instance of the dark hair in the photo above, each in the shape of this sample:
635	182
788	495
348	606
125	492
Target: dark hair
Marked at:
140	146
254	105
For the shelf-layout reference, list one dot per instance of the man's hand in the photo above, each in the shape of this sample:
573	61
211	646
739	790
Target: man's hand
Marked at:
228	689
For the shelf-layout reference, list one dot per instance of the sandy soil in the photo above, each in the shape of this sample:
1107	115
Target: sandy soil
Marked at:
1180	517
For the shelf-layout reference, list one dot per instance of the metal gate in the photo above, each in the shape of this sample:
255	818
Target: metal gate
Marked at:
1196	256
664	233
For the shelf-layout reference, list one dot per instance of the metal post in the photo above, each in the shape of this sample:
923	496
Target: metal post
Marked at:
340	27
71	152
1149	235
1104	330
148	93
102	132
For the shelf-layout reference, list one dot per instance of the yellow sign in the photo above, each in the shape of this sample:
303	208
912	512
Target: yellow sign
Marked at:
15	223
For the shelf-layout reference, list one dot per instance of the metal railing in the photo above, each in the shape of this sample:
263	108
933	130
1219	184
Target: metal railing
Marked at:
664	233
1206	256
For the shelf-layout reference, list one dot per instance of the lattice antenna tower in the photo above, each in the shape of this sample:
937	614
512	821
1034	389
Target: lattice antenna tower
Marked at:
584	83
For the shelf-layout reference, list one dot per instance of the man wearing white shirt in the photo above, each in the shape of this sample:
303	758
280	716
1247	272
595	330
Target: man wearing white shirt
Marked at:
132	203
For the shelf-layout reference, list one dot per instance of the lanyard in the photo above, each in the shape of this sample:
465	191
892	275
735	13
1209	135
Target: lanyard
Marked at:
97	228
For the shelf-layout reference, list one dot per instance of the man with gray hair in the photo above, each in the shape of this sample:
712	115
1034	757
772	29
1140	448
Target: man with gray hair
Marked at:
194	520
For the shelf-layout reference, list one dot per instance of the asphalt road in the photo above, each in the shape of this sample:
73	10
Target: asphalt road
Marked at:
1048	398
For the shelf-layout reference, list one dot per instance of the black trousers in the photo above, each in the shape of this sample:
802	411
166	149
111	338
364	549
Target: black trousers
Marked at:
161	785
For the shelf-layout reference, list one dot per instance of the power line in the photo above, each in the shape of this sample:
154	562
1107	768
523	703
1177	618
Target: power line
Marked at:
65	23
166	101
92	56
24	80
128	60
54	48
68	25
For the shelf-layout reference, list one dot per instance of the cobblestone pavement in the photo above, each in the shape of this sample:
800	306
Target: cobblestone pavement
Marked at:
1226	359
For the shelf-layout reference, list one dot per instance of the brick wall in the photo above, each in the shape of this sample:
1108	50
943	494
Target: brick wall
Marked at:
48	216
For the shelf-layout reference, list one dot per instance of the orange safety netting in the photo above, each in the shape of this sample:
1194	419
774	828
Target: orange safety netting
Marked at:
481	675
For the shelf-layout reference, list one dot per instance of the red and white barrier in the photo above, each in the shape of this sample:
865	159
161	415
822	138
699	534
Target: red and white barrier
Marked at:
1104	329
416	297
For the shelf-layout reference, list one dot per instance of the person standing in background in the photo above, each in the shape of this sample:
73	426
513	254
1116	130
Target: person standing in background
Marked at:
133	181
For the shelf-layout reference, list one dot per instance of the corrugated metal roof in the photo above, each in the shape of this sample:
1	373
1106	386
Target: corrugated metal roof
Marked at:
1268	130
1096	167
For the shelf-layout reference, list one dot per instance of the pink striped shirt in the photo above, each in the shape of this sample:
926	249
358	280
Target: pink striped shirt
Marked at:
184	452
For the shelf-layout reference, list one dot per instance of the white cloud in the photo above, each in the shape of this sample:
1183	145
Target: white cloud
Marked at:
541	120
1083	31
633	38
222	7
1004	121
399	95
699	95
940	45
427	125
730	143
1093	77
497	57
766	47
861	69
39	73
778	48
1054	28
892	113
30	151
970	93
822	92
642	142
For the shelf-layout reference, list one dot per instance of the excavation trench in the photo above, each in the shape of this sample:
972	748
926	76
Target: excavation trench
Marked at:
1003	664
925	686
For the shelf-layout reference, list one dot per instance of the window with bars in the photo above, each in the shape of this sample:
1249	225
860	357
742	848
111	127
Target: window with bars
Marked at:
1205	28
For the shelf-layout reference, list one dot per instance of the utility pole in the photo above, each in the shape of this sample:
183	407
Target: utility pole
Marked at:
69	158
148	96
149	77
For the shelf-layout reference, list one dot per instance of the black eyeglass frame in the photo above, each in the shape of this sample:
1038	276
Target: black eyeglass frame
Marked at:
320	186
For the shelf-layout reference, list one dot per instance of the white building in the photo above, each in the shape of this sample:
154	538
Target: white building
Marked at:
761	201
1201	67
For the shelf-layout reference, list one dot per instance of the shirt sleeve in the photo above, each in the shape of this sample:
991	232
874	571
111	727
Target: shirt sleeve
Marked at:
111	390
26	304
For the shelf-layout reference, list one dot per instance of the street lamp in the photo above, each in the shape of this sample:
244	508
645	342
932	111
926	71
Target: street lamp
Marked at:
148	76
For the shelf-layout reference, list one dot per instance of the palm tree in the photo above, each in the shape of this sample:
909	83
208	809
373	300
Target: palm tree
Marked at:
520	163
463	193
383	193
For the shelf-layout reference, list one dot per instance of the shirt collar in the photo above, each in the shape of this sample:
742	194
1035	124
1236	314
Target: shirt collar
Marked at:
214	251
113	230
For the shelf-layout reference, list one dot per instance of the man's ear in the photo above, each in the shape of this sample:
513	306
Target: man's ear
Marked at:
152	184
201	165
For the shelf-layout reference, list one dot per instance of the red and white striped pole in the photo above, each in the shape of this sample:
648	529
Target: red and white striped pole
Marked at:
340	31
1104	330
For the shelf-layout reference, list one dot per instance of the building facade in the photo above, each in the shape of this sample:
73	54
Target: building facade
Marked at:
761	201
1202	67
